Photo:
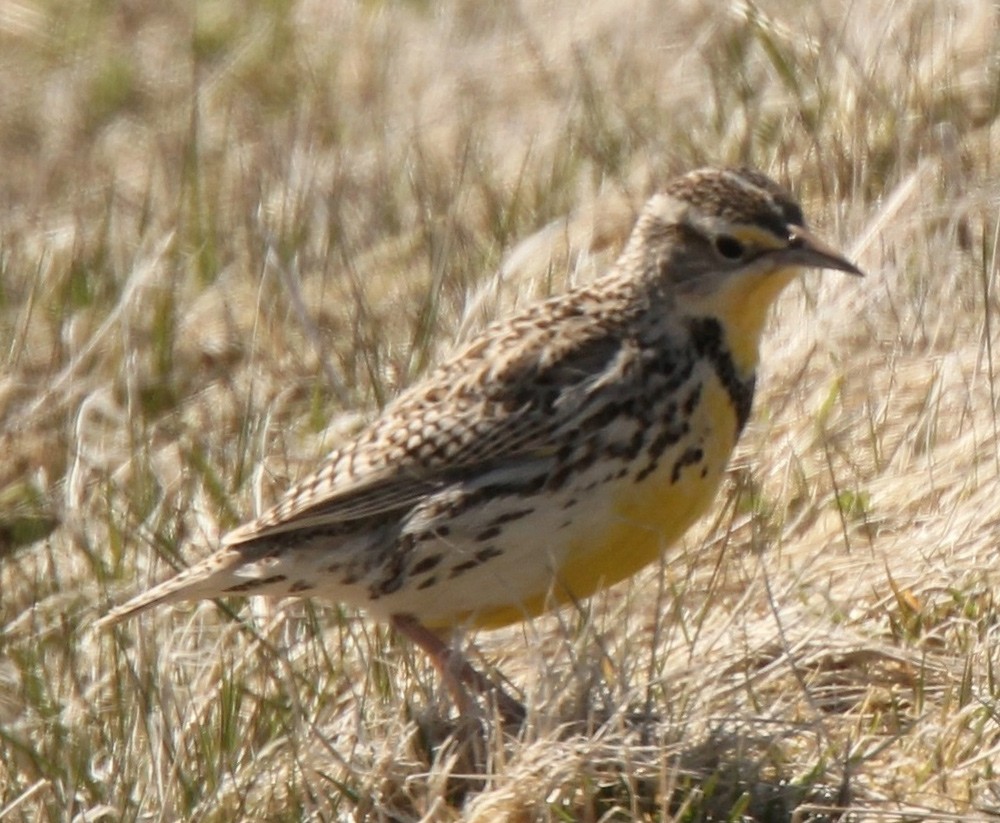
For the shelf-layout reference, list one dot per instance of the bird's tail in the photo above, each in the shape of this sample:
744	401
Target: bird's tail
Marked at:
205	579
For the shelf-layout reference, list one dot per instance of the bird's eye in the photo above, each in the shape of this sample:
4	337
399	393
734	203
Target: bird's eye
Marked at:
729	247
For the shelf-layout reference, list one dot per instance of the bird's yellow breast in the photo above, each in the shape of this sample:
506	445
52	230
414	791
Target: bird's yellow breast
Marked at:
650	515
631	522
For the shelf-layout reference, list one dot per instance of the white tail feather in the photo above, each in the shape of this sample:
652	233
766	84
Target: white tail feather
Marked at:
209	578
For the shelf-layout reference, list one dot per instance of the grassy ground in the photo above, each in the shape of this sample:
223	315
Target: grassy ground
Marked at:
227	228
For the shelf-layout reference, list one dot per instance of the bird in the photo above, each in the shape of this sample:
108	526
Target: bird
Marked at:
561	450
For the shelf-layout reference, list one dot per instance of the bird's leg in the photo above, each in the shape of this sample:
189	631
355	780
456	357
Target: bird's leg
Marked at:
456	672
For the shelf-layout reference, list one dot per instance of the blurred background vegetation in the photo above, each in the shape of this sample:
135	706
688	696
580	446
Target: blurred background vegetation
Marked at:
230	230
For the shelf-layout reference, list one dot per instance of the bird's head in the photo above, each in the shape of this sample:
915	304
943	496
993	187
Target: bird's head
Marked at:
725	242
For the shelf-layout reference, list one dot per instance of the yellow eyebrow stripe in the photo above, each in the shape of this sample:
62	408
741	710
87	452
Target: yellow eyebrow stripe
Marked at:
758	238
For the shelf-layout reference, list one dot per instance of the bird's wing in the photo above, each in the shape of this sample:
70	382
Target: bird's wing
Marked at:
500	401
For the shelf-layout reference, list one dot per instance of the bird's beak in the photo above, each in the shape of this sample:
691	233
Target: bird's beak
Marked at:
809	251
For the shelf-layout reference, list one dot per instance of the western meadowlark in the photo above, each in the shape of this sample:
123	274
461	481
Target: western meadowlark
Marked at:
559	452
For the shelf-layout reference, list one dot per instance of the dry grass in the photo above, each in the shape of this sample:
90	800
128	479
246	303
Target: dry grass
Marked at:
226	227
